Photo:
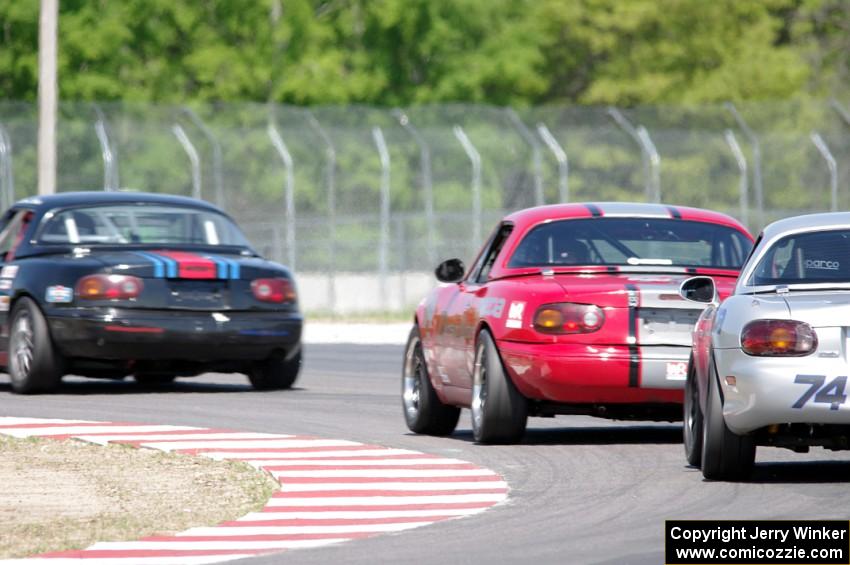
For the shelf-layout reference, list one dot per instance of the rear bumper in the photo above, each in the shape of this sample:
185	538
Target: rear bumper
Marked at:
574	373
765	391
156	335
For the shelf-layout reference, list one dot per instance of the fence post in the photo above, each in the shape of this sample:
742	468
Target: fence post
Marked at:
289	191
194	159
427	183
384	241
110	164
754	141
7	182
654	161
536	158
330	174
842	111
561	157
475	160
823	149
218	182
649	155
743	183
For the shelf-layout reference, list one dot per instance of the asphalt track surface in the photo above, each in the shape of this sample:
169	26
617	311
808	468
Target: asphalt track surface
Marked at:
583	490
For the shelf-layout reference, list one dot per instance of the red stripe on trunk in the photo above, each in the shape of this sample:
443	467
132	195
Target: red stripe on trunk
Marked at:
192	266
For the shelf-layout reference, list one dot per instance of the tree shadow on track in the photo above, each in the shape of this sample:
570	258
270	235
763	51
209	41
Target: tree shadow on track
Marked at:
84	387
801	472
602	435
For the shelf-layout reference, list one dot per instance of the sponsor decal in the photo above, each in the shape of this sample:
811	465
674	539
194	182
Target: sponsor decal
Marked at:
6	284
492	307
58	294
822	264
9	272
4	303
515	315
677	370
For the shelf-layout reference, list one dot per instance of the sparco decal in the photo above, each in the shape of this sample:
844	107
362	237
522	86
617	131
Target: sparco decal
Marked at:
822	264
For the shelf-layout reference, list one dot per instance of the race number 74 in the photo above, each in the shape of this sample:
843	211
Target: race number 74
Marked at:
831	393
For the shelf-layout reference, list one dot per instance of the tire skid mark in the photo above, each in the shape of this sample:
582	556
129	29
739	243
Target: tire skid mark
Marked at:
332	491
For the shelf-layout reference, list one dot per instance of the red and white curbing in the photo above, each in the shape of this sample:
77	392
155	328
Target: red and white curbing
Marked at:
331	491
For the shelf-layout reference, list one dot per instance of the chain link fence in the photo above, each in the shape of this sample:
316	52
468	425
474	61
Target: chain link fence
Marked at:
363	202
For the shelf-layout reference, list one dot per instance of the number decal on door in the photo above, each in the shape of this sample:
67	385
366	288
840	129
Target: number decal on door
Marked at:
831	393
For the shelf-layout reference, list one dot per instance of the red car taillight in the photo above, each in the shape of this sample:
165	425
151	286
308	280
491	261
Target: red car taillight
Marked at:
109	287
568	318
766	338
273	290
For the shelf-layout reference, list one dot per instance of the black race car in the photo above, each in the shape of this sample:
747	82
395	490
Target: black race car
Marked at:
111	284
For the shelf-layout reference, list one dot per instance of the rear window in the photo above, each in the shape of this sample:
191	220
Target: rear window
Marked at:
807	258
139	224
632	242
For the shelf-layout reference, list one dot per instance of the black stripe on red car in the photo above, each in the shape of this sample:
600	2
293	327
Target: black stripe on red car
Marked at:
634	350
691	270
674	213
611	269
594	210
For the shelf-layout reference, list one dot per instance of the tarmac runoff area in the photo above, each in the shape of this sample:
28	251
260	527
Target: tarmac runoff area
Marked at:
359	334
331	491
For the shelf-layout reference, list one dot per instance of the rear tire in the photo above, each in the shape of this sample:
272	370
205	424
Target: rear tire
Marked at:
275	373
726	456
499	411
693	420
424	413
35	366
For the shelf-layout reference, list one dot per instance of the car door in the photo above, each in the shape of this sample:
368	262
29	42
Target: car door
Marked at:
472	291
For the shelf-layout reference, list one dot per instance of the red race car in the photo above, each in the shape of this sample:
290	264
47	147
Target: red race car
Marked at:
568	309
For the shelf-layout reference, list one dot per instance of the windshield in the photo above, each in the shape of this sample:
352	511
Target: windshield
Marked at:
632	242
134	224
806	258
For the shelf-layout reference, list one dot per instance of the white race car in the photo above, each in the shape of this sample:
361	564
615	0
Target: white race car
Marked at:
769	364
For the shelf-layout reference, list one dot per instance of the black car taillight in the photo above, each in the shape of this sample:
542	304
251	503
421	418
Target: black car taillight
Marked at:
277	290
778	338
109	287
568	318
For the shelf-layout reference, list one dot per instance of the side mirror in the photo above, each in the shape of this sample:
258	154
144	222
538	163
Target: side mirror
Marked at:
450	271
699	289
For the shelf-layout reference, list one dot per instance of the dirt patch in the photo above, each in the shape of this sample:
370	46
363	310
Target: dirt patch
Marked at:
57	495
